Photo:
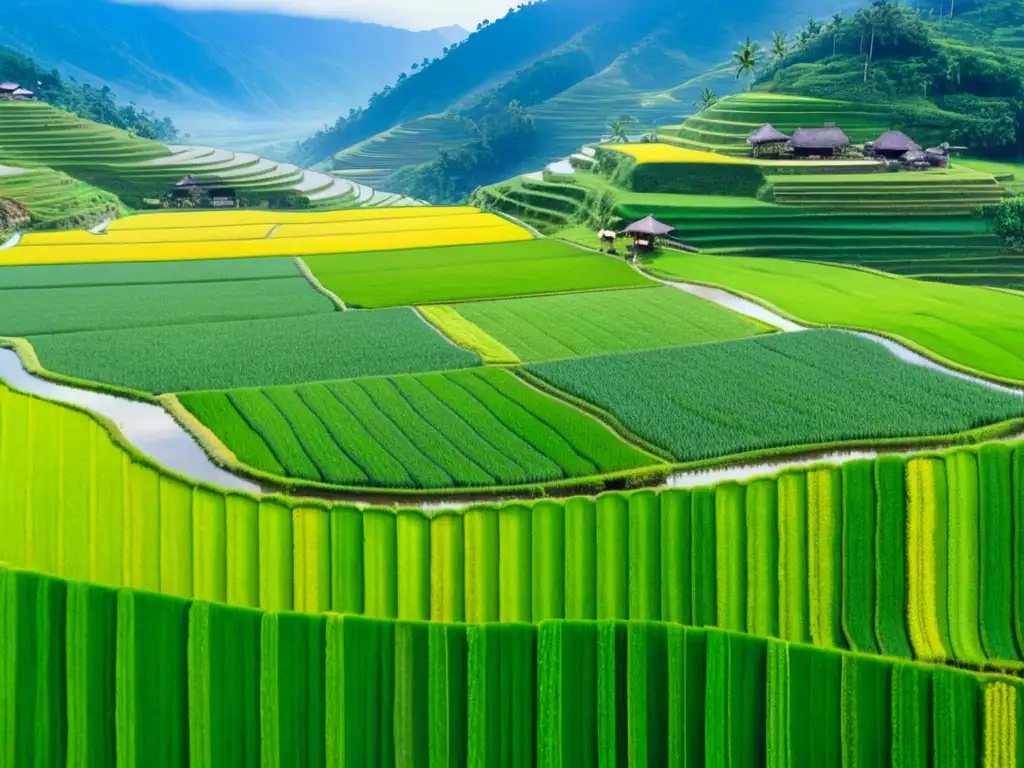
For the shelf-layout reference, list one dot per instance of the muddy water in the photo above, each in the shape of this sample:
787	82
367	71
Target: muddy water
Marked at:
148	427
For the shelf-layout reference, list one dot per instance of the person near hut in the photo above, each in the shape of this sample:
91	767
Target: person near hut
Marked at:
645	233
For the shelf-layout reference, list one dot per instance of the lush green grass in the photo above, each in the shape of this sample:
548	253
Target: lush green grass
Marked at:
553	327
437	275
458	429
725	126
246	353
972	327
54	200
36	311
1010	174
145	273
778	391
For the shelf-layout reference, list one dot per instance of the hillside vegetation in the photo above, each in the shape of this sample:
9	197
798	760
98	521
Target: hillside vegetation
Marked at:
569	66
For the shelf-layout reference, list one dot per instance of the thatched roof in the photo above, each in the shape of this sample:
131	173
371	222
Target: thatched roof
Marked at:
649	226
187	181
8	87
894	141
766	134
829	137
23	92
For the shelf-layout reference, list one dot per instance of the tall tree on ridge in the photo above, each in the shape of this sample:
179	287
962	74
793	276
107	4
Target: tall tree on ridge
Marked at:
746	59
780	46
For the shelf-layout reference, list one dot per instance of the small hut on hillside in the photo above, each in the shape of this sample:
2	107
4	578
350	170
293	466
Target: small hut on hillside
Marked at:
23	94
203	194
646	232
767	140
7	91
823	142
893	145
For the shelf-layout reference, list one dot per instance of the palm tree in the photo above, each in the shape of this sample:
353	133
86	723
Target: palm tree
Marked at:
747	58
837	24
707	100
780	46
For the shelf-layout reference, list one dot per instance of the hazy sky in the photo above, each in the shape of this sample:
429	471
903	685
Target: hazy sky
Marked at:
411	14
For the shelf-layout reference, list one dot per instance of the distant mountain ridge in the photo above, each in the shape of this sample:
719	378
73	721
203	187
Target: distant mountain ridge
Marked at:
226	62
572	64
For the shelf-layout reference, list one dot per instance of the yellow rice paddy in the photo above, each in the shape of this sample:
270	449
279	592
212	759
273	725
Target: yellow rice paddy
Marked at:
192	219
666	153
237	239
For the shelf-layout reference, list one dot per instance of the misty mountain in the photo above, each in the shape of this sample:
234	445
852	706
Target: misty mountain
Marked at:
220	62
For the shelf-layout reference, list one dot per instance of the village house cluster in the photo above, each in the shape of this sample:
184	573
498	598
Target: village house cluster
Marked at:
14	92
830	141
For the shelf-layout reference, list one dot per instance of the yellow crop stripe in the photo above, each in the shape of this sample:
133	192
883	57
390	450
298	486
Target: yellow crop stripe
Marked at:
469	335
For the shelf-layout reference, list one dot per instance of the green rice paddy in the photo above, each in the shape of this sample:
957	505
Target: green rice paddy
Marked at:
553	327
246	353
481	428
438	275
786	390
975	328
55	200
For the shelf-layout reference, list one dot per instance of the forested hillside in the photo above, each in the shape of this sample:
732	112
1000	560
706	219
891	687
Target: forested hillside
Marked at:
961	75
215	62
97	104
569	65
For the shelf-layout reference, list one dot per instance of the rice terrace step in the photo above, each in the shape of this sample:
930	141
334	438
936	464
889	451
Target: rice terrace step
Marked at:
375	445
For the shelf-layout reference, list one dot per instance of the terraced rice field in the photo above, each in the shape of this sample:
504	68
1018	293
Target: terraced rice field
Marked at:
56	201
247	353
438	275
481	428
724	127
36	134
781	391
975	328
174	237
575	325
166	654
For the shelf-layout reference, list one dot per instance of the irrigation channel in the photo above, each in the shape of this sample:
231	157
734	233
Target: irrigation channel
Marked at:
156	434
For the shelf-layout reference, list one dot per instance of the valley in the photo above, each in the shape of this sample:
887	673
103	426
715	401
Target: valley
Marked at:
611	390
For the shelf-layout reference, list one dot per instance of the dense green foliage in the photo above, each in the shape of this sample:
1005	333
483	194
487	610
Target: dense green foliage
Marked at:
941	75
97	104
775	392
503	138
454	430
37	311
245	353
1008	221
457	273
574	325
972	327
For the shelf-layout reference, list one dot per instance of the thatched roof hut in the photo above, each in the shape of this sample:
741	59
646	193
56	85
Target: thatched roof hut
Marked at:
819	141
894	144
766	134
650	227
8	87
23	93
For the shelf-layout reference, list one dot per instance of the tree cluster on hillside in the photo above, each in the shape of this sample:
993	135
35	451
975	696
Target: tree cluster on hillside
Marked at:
501	137
935	70
97	104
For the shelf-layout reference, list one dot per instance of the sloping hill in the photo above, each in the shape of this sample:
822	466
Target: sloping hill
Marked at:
214	61
574	66
36	135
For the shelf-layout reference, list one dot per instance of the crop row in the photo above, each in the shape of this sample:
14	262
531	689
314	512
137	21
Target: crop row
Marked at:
776	391
458	429
975	328
554	327
465	334
193	220
891	556
248	353
97	677
437	275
